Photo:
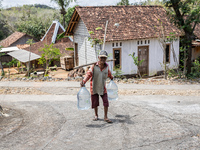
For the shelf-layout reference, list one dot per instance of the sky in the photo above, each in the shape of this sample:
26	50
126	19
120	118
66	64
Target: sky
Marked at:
11	3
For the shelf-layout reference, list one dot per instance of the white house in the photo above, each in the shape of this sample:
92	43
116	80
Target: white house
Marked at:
131	29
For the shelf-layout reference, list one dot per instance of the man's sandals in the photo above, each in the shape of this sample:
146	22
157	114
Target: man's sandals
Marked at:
95	118
108	121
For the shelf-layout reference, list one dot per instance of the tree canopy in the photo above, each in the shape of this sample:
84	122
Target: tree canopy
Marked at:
123	2
185	14
28	19
63	4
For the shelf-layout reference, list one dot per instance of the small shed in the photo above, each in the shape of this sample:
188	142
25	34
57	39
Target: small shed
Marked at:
23	56
7	58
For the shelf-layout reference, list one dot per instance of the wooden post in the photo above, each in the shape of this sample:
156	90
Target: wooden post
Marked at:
105	35
92	63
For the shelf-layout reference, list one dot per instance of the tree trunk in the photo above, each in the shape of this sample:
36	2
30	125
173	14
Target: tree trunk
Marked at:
139	72
29	61
64	20
188	42
185	62
2	70
189	60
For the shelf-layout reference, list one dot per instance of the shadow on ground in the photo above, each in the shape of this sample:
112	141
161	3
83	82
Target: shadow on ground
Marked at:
118	119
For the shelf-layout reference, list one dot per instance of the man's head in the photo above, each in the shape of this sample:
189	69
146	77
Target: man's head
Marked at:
102	57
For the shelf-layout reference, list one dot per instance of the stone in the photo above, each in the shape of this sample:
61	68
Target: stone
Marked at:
24	79
125	80
44	79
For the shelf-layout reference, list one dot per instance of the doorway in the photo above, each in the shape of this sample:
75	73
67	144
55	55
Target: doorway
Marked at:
143	53
76	54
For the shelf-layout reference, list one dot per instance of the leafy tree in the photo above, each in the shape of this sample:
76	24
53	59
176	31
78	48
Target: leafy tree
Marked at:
185	14
9	64
4	28
63	4
152	2
2	70
49	54
137	62
163	41
123	2
118	72
68	14
28	19
34	27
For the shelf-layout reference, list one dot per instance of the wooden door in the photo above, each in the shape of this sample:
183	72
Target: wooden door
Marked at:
76	54
143	53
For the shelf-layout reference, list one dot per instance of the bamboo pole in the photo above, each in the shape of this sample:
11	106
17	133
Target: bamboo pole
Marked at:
105	35
92	64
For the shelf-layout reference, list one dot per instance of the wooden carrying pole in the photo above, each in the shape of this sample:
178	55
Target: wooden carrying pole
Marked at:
92	63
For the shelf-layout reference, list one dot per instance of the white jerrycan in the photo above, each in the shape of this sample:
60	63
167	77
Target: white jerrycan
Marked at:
112	91
83	99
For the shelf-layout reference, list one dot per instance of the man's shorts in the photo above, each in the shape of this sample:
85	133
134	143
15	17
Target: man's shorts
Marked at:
95	100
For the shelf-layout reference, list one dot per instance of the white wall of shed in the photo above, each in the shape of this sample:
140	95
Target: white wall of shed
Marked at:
86	52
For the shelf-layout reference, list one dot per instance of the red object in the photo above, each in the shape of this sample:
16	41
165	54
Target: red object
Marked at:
95	100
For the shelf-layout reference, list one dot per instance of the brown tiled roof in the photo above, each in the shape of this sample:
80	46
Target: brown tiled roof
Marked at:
135	22
61	45
48	37
12	39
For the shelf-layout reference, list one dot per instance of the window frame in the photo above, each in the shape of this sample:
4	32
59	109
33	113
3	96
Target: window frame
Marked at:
166	54
114	49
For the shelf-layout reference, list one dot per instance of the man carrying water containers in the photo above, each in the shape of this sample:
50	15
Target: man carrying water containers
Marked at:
98	74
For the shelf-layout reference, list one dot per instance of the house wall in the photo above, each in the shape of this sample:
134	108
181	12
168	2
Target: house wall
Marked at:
22	40
155	55
195	53
86	53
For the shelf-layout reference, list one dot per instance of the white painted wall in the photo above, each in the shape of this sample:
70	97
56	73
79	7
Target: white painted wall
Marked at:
155	55
86	52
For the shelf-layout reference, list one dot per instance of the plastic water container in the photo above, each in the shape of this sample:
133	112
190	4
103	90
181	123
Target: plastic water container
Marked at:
112	91
83	99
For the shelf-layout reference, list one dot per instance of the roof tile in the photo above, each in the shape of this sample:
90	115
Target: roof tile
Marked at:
135	22
12	39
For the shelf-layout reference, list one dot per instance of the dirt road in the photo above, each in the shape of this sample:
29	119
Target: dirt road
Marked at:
52	120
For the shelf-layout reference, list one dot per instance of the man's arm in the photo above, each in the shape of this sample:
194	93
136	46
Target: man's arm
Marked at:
87	76
109	74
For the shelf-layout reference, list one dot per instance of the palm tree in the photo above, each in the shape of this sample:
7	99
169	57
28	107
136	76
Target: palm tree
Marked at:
63	4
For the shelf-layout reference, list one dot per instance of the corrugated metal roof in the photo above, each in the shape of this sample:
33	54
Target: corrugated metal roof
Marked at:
9	49
23	55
